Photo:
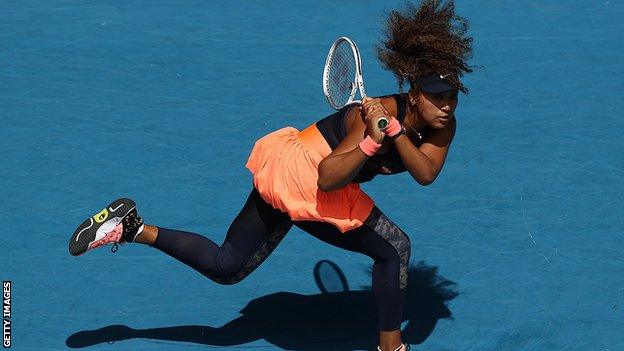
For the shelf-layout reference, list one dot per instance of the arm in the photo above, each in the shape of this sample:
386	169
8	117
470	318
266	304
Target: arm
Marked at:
343	164
425	163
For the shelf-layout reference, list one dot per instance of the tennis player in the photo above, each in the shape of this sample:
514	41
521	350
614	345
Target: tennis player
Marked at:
311	178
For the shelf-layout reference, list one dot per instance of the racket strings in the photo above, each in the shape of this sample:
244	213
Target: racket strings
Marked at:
342	75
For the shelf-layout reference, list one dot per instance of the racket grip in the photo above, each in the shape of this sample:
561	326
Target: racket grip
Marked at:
382	123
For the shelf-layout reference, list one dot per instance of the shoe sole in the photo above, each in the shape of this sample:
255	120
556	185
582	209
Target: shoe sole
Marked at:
95	227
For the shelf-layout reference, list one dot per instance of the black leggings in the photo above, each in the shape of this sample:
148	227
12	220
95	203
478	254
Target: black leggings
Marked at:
258	229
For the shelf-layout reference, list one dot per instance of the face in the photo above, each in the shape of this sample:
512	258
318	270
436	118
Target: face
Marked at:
435	110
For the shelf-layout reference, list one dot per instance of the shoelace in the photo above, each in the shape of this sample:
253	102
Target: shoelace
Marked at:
130	224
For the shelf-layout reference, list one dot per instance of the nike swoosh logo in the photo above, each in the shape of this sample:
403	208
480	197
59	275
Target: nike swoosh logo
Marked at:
116	208
90	225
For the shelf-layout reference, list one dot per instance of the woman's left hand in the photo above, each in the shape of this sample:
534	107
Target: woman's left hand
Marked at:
371	111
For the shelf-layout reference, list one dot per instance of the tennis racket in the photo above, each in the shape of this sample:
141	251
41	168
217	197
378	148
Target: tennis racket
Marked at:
342	76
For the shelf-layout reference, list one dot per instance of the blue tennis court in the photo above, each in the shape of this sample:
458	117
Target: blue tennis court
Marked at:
516	246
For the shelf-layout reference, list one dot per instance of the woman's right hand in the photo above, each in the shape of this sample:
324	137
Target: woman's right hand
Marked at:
371	110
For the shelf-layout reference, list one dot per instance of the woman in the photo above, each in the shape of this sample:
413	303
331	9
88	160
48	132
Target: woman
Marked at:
311	178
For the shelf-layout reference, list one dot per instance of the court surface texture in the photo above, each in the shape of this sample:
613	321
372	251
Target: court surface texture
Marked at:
516	246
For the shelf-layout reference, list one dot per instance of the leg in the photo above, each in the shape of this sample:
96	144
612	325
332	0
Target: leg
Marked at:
252	236
389	247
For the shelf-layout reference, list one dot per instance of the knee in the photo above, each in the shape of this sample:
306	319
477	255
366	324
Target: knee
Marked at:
397	259
227	269
225	277
225	280
401	250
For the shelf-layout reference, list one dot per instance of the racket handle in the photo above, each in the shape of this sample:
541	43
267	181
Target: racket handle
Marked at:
382	123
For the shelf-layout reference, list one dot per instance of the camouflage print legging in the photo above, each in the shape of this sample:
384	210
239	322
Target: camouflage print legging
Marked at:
258	229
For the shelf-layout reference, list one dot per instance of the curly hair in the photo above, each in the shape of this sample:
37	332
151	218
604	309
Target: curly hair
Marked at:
426	39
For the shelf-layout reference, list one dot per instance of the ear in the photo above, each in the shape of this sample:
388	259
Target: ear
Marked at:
412	96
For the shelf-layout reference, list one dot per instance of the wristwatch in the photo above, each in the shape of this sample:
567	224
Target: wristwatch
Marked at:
403	131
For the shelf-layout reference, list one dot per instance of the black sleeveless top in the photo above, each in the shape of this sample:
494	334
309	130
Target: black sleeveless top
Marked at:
334	129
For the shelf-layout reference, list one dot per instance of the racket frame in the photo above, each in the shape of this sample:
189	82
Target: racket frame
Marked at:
358	83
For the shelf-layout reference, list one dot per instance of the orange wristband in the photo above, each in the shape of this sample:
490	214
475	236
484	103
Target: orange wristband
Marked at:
393	128
369	146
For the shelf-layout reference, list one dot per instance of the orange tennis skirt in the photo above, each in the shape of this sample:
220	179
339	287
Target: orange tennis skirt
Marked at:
284	165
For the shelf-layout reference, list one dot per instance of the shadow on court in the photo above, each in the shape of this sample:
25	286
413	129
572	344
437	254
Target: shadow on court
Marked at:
330	321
